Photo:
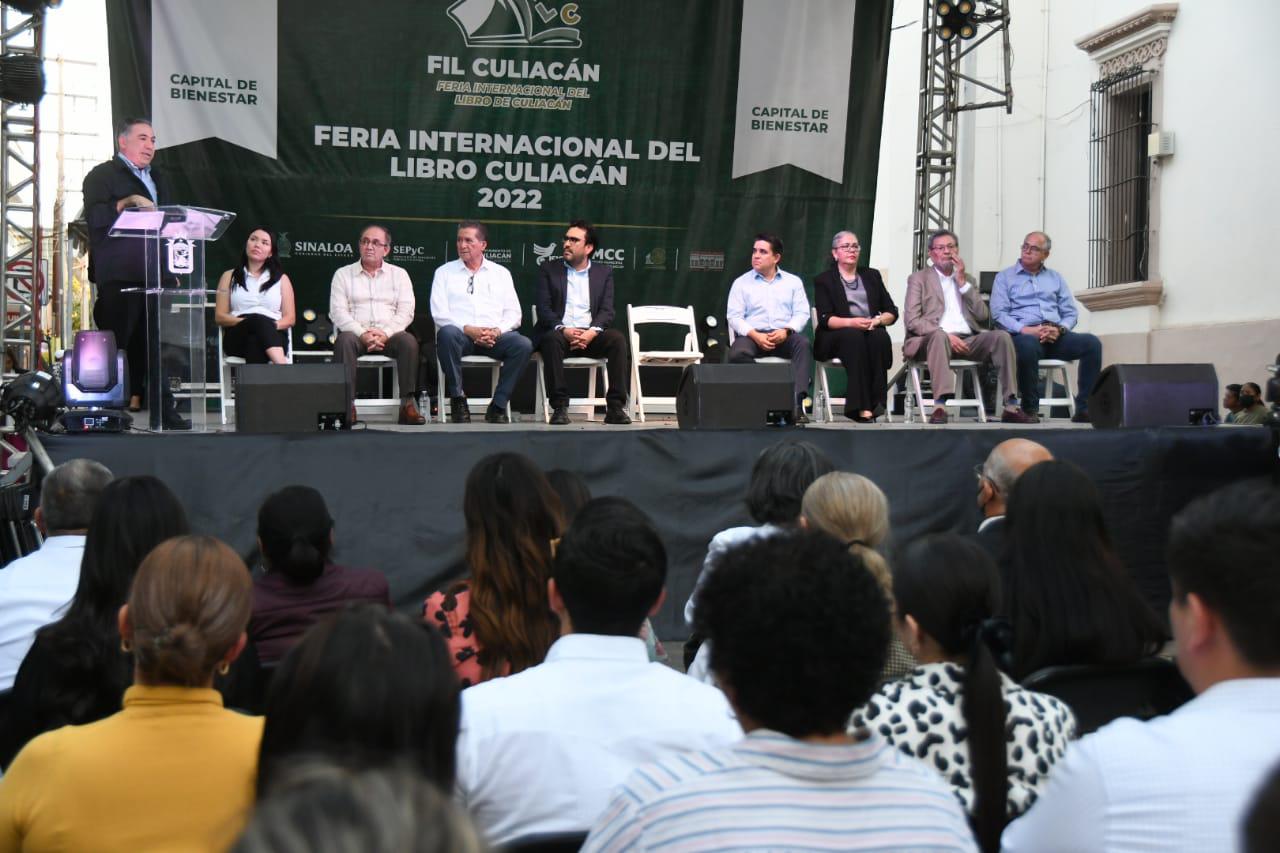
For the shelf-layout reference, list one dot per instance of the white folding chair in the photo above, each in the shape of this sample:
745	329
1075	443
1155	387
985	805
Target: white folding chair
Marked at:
226	379
670	315
494	365
382	405
820	385
1048	367
915	371
582	405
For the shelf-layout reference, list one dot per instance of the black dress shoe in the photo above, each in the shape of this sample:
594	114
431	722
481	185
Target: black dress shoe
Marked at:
494	415
1081	417
615	414
459	412
560	415
173	420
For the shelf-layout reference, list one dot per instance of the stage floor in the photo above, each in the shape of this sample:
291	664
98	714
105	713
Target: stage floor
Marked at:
396	492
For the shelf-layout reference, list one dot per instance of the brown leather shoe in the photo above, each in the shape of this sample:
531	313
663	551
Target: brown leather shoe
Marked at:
409	414
1017	416
939	416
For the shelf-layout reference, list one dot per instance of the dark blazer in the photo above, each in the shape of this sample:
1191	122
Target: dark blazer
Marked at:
116	259
830	300
553	288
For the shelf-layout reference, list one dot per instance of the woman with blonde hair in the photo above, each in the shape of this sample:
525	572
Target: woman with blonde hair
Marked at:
174	769
854	510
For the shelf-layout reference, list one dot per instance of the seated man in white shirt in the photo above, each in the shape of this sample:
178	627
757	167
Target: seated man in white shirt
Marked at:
477	312
799	630
768	310
539	751
35	587
1184	781
371	305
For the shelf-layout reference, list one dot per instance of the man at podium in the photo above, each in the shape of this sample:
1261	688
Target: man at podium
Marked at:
116	263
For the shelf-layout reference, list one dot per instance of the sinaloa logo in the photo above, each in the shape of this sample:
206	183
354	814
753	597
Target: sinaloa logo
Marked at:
542	254
320	249
517	23
284	246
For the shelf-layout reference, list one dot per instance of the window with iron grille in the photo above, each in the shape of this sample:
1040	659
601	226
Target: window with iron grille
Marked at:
1120	177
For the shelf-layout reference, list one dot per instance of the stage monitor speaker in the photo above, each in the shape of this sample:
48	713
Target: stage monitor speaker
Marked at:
290	397
1142	395
735	396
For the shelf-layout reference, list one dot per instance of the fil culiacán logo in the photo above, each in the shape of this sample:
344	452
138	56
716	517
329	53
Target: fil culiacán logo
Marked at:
517	23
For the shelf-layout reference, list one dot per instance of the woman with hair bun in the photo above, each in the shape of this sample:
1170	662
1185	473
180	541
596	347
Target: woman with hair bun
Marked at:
300	584
173	770
992	741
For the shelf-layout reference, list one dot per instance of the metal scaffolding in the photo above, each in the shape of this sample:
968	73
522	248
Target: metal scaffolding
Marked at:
20	34
941	101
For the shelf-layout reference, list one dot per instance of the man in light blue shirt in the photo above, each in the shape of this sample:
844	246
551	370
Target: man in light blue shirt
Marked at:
767	312
1033	304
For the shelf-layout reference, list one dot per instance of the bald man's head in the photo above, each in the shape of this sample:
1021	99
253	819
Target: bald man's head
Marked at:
1003	467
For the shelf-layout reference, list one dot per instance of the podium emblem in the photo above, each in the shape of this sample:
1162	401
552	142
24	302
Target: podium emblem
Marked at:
181	255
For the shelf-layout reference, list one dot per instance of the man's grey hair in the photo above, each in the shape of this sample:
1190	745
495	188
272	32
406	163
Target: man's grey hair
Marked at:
478	227
1048	241
70	492
940	233
1000	472
126	124
835	241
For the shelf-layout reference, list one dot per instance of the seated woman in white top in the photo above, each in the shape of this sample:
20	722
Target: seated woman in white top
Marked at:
993	741
255	303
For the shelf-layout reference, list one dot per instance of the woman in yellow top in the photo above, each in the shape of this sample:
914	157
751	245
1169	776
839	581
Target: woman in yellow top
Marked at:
174	769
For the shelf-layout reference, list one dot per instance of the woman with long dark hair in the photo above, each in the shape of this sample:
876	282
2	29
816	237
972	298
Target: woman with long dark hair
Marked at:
75	671
300	583
1066	593
254	303
950	711
365	688
499	621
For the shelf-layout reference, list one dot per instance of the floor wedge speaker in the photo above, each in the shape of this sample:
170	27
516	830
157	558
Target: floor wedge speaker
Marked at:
734	396
1142	395
289	397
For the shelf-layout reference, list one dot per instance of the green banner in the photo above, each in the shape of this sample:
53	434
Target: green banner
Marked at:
680	128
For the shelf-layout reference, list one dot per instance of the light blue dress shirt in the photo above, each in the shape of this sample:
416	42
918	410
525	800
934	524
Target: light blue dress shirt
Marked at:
577	298
144	175
1019	299
755	303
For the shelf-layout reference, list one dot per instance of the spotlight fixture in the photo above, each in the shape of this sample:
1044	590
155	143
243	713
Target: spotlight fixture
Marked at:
21	78
315	328
955	19
31	7
32	400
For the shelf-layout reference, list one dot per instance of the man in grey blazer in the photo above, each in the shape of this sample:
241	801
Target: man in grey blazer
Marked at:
944	315
575	313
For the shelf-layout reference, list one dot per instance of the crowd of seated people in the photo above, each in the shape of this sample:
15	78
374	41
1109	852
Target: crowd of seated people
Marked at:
521	709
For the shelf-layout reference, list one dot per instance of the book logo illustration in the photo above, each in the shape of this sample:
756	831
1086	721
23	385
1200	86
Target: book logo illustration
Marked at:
517	23
541	254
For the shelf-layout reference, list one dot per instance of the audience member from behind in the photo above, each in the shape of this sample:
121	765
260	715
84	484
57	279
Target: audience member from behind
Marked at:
368	688
295	536
993	742
798	628
35	587
1253	410
76	671
323	807
500	621
1183	781
540	750
996	476
173	770
1068	596
1261	826
779	478
854	510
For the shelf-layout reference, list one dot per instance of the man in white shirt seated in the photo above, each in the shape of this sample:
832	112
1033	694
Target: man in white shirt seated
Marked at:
539	751
768	310
477	312
371	305
1183	781
35	587
799	630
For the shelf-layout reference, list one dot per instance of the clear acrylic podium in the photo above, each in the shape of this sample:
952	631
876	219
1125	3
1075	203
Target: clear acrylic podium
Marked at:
176	297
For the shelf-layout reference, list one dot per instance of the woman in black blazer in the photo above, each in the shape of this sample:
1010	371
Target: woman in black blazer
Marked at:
853	310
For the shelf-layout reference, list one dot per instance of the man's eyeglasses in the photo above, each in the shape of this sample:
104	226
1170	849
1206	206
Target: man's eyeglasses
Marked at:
471	284
365	241
1039	250
848	247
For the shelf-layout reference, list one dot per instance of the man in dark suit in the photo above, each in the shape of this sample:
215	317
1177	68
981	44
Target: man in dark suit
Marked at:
853	310
116	263
575	311
996	477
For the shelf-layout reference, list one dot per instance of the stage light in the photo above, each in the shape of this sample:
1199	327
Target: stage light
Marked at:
309	339
309	315
94	372
955	19
32	400
31	7
21	78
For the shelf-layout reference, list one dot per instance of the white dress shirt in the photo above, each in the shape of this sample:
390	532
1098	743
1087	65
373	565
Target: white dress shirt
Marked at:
953	321
1178	782
485	298
541	750
755	303
33	589
359	301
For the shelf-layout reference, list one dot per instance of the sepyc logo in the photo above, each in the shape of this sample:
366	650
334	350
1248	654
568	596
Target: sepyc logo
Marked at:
517	23
542	254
